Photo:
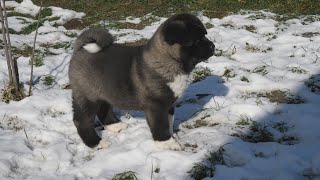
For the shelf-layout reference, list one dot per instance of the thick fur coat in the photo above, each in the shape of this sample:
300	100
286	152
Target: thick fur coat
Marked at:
150	78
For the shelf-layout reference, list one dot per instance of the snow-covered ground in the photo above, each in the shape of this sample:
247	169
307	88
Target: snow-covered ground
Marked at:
257	104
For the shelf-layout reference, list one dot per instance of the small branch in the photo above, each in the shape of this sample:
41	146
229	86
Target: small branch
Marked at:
43	156
151	170
24	129
2	12
304	49
14	69
33	51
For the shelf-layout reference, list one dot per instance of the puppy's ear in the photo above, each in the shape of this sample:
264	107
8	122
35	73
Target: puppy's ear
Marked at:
176	32
197	29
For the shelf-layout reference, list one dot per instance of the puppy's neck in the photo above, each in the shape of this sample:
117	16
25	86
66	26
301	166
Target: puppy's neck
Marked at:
163	58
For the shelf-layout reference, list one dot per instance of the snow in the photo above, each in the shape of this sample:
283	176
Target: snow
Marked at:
39	140
27	7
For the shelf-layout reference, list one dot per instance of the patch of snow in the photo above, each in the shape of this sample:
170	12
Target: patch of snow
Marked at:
39	140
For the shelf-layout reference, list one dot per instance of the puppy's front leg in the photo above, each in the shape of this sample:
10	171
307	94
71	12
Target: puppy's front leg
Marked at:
158	121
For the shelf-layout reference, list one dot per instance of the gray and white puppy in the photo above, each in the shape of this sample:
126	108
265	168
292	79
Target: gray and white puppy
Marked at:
149	78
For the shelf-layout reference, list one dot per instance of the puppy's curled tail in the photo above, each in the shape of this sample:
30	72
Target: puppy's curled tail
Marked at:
93	40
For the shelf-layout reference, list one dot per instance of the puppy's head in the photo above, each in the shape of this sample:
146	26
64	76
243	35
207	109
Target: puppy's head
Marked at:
187	31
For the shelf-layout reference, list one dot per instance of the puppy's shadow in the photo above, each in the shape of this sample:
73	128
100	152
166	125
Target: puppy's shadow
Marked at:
194	99
197	96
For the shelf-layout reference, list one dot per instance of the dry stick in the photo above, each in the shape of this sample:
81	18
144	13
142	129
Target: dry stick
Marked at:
14	70
152	171
5	44
33	50
24	129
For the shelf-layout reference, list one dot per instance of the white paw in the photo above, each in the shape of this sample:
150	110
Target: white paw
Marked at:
117	127
103	144
170	144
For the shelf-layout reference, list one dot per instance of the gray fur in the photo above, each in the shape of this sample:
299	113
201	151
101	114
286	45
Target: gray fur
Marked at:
134	78
95	35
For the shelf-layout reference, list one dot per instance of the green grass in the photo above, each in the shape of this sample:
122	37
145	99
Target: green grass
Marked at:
45	12
207	168
313	83
191	101
229	73
63	45
288	140
8	93
310	34
276	96
13	13
115	10
252	48
200	74
127	175
245	79
145	21
281	126
30	28
284	97
25	51
38	60
71	34
27	29
297	70
244	120
11	123
47	80
250	28
208	25
198	123
258	133
261	70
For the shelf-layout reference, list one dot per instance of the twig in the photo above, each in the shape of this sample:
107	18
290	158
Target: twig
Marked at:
33	51
43	156
152	171
5	114
13	64
304	49
24	129
230	46
2	12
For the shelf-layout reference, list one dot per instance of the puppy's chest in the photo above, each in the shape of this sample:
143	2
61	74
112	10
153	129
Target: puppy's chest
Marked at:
179	85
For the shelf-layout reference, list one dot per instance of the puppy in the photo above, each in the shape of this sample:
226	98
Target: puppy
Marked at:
150	78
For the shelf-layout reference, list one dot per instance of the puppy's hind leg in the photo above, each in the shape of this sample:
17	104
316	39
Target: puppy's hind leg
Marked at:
84	113
106	115
109	119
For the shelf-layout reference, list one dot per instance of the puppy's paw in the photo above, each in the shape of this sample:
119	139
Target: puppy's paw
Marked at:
117	127
170	144
103	144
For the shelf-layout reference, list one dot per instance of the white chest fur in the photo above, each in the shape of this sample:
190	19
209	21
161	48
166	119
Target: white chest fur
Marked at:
179	85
